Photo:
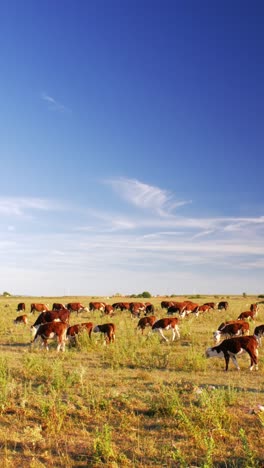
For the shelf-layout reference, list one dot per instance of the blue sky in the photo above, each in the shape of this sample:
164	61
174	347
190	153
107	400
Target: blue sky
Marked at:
131	143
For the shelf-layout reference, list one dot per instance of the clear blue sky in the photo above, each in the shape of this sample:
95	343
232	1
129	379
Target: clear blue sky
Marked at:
131	143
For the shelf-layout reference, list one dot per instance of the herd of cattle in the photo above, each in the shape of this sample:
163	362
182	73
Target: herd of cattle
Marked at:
55	322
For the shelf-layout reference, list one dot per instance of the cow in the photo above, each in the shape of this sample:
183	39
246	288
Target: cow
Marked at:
168	323
38	308
203	308
166	304
136	308
93	306
75	307
74	330
232	347
248	314
58	306
231	330
191	308
259	332
144	322
21	319
254	307
176	307
121	305
222	305
51	316
150	309
108	329
51	329
109	310
21	307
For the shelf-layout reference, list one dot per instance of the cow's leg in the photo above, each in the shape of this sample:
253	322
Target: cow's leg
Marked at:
227	358
234	359
162	334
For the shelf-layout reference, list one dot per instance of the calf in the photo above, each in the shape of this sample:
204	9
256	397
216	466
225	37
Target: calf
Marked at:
21	319
232	329
250	314
93	306
74	330
168	323
259	332
108	329
232	347
75	307
50	330
146	322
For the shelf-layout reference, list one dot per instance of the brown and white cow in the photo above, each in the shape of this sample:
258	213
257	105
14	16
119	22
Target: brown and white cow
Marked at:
168	323
121	305
75	307
50	316
248	314
38	308
93	306
108	329
259	332
109	310
50	330
144	322
21	319
232	329
74	330
191	308
233	347
177	307
21	307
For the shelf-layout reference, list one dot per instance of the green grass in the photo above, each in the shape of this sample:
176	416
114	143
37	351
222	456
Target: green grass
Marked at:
138	402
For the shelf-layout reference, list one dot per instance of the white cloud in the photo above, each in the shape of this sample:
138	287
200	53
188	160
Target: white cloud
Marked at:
146	196
53	104
20	206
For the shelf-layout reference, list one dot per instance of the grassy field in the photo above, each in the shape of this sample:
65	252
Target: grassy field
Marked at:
136	403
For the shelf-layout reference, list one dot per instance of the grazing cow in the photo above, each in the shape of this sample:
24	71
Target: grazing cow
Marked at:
49	330
168	323
144	322
191	308
259	332
58	306
108	329
121	305
51	316
203	308
177	307
21	307
166	304
109	310
232	347
93	306
231	330
150	309
248	314
21	319
75	307
38	308
222	305
74	330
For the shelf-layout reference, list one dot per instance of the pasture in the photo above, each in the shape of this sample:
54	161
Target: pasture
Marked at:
138	402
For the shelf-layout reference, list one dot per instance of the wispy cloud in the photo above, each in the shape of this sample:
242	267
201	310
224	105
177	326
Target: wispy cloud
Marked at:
22	206
146	196
53	104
